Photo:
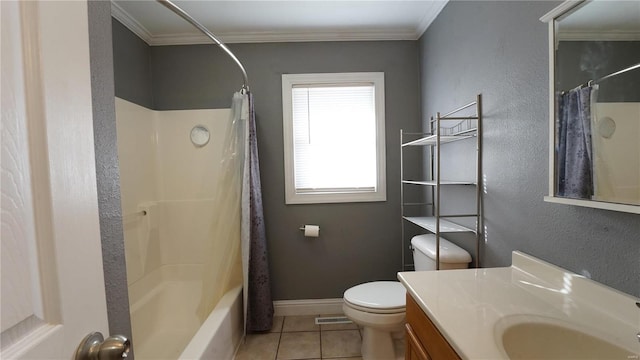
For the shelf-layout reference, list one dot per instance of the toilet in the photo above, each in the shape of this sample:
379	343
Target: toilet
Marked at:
379	306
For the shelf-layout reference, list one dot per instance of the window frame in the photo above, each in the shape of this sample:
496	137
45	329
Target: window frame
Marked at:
339	79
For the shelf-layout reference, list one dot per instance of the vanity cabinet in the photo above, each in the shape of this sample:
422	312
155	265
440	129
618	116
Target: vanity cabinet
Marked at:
423	340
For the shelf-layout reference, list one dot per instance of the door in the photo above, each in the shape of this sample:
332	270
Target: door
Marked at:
51	270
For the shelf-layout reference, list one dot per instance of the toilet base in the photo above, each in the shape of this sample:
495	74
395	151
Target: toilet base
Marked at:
379	345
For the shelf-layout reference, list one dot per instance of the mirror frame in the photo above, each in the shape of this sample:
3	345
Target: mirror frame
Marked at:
551	18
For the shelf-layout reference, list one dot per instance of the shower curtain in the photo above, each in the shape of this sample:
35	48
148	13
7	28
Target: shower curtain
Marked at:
574	160
238	215
222	269
257	285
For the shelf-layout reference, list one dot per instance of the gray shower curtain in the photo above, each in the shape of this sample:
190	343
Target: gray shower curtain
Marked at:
259	304
574	159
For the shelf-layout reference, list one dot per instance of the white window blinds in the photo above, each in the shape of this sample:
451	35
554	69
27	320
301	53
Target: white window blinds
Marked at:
334	136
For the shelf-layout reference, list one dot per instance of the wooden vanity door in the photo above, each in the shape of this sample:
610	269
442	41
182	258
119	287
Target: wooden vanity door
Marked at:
414	349
423	339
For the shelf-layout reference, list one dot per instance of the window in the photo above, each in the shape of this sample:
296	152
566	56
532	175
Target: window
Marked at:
334	144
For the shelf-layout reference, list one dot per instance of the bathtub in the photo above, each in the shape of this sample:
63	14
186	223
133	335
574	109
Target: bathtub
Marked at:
221	333
171	252
165	322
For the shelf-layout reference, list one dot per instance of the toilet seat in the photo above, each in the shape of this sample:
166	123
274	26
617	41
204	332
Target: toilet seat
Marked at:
375	311
379	307
379	297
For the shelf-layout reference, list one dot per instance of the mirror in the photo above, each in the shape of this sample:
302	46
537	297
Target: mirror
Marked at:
595	104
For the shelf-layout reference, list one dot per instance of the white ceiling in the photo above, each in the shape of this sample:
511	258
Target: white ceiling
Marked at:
275	21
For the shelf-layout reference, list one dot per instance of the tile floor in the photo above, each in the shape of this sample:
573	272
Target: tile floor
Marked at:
298	337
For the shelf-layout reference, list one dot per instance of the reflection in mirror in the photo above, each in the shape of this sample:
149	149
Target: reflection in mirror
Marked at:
597	103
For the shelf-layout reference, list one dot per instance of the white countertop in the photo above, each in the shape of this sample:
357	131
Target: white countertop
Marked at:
471	306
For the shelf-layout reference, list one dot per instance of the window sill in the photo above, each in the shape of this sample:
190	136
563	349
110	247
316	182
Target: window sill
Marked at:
325	198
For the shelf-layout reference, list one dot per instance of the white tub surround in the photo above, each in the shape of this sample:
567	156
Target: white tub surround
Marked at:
182	242
473	307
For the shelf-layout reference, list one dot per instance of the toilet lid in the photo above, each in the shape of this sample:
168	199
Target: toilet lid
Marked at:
377	295
449	252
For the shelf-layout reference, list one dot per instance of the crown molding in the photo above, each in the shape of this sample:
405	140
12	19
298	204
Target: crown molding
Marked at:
430	16
283	36
130	23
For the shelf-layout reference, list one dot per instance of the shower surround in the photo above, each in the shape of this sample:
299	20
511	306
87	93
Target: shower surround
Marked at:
179	266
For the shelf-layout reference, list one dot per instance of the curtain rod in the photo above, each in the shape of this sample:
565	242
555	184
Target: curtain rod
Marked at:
595	81
171	6
632	67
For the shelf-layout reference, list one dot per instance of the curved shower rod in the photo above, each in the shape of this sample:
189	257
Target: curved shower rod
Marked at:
171	6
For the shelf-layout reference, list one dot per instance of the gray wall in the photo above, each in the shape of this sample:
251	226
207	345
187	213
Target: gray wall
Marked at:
500	49
107	169
359	241
132	66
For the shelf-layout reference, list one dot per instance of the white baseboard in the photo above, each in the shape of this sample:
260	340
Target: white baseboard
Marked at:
307	307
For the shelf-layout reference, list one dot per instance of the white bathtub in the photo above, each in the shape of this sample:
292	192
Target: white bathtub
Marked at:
220	335
165	321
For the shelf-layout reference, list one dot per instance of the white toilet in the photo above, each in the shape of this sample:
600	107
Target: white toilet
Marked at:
379	306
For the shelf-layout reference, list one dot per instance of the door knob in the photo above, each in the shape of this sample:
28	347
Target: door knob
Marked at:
95	347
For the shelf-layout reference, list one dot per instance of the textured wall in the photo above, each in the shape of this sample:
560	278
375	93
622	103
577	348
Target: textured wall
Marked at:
107	171
359	241
500	49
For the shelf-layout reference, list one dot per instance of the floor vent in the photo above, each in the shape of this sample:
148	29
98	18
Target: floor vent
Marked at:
332	320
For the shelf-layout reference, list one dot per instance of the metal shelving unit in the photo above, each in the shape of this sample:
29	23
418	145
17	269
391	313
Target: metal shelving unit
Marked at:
441	132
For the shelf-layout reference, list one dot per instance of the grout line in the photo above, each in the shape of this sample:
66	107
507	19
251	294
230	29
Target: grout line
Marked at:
279	339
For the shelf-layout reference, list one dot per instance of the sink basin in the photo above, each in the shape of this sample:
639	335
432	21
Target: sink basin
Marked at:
547	338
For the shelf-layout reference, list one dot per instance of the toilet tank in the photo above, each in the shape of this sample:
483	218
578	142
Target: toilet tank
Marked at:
424	254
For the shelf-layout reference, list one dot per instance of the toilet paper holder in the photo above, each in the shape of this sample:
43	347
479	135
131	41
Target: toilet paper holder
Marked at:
310	230
302	228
